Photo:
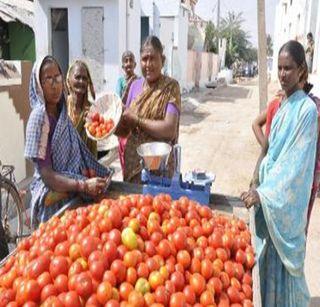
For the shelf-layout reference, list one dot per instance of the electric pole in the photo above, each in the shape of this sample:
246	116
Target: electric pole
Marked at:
218	25
262	55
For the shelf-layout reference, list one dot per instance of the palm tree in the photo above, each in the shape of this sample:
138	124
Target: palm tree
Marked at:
230	27
211	34
237	38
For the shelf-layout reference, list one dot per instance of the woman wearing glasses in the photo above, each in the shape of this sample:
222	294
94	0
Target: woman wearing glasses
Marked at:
52	143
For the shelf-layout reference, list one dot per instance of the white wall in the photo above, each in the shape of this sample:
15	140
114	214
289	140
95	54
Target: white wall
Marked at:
173	25
298	29
11	148
149	8
182	33
114	31
316	35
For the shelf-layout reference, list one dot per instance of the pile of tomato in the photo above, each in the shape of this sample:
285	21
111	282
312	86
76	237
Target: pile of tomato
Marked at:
134	251
99	127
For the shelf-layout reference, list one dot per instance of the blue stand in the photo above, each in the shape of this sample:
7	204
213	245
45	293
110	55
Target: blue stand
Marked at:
175	187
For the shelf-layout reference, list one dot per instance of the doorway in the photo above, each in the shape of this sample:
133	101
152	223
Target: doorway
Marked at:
144	28
92	20
60	37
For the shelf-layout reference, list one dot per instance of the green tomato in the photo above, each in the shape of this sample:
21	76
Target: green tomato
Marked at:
129	238
142	286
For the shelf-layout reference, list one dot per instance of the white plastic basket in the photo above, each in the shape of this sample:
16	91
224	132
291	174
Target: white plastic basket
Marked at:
109	105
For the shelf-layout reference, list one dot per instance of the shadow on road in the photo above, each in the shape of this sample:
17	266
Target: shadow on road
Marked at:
315	301
221	94
192	117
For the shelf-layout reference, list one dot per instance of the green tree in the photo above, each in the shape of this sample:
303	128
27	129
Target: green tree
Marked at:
211	35
238	45
269	45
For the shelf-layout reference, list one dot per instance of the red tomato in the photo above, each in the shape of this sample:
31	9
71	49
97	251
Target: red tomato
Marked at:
38	266
240	256
52	301
247	303
156	237
225	279
88	245
206	268
32	291
119	270
104	292
143	270
190	295
59	265
150	248
115	236
238	271
7	296
247	290
183	257
247	279
72	299
83	285
210	253
110	250
105	225
195	265
75	268
178	281
115	216
92	301
198	283
207	298
132	275
97	269
178	299
47	291
95	117
124	290
136	299
233	294
121	250
229	268
164	248
112	303
180	239
215	240
61	283
30	304
217	284
110	277
222	254
152	264
250	260
162	295
44	279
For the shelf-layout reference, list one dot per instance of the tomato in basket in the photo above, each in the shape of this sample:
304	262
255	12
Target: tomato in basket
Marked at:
99	126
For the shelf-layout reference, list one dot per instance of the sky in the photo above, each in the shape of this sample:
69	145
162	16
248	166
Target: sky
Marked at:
207	9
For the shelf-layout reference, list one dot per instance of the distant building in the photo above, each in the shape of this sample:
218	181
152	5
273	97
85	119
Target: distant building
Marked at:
294	20
168	19
17	40
93	30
